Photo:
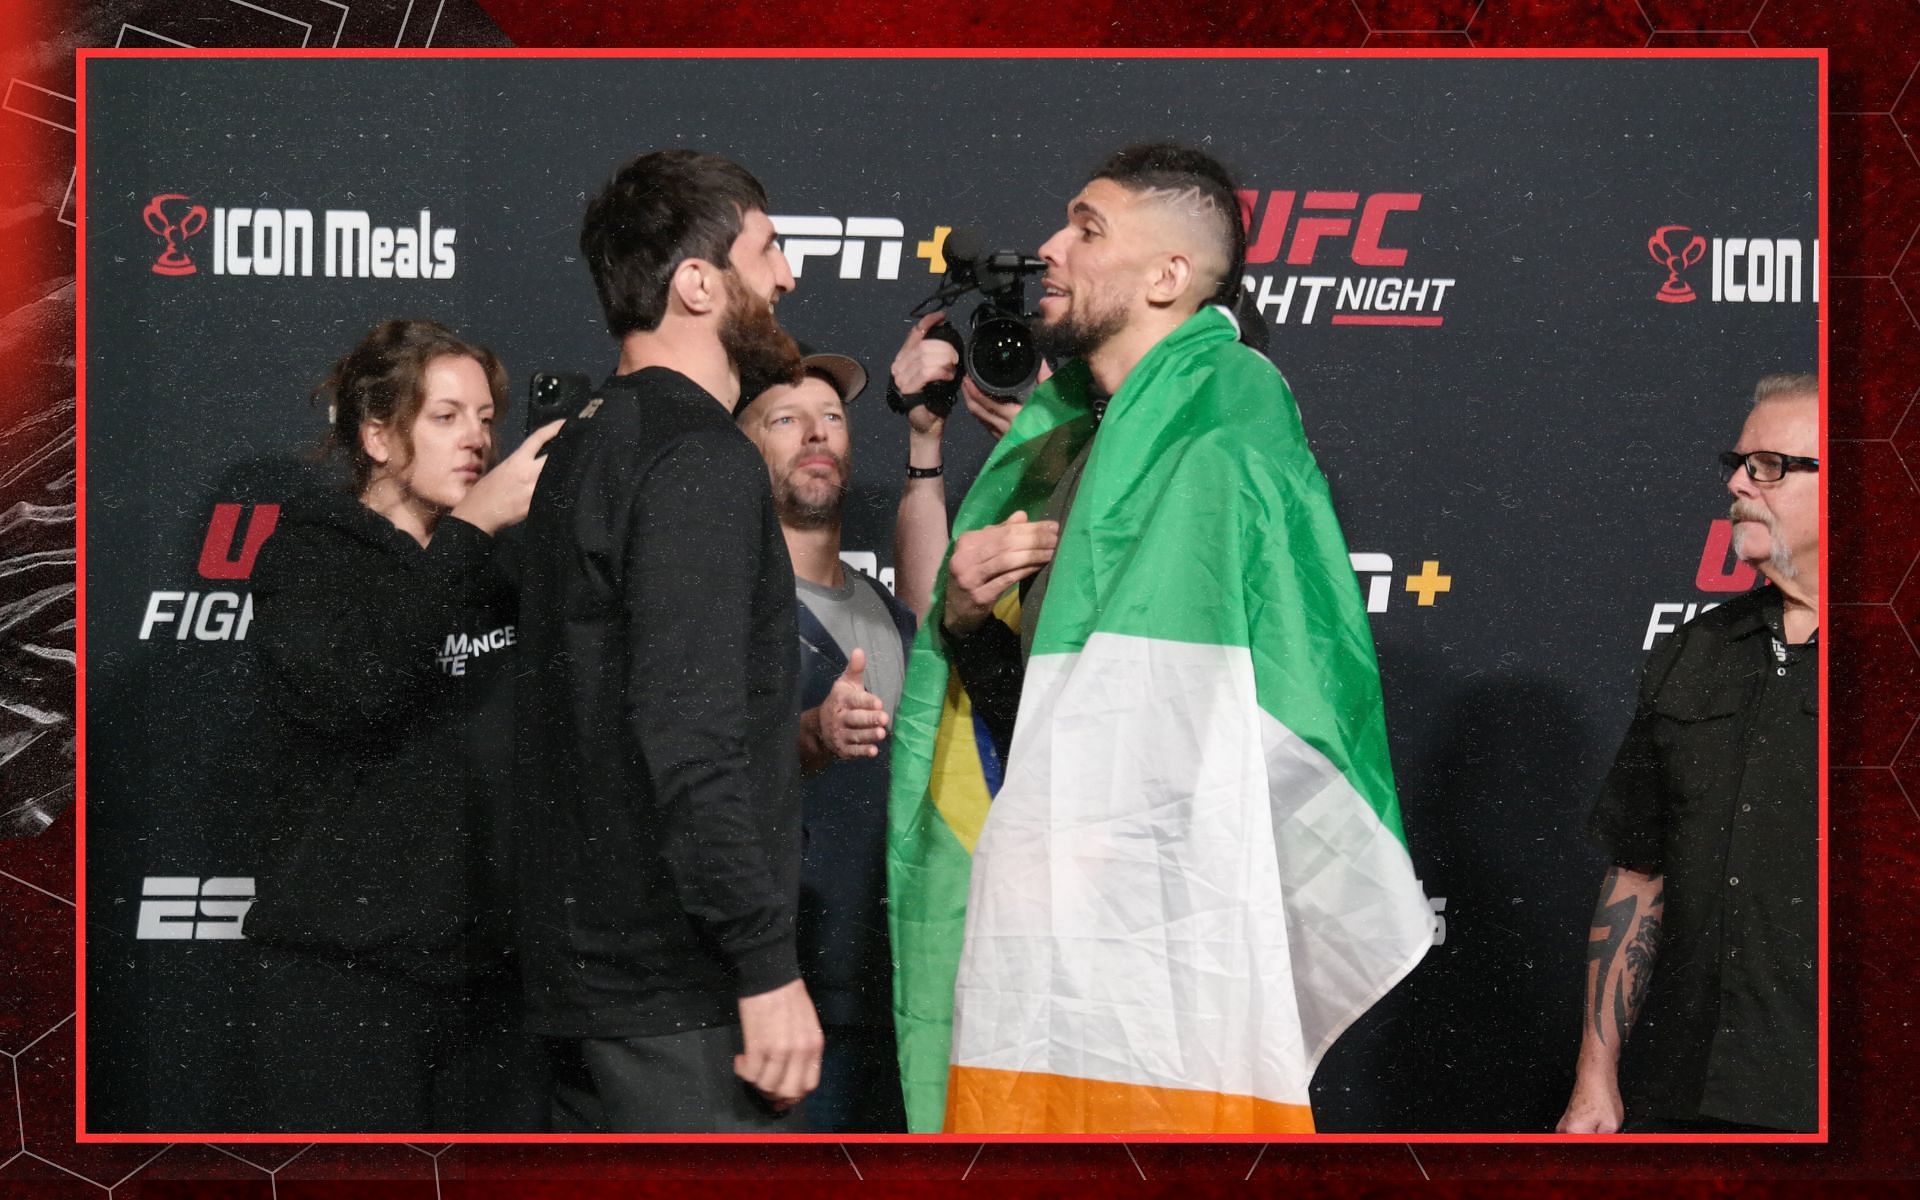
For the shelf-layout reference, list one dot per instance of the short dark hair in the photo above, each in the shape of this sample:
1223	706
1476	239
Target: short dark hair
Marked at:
655	213
384	379
1164	166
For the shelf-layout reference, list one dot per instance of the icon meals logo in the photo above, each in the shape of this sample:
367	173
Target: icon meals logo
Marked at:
1676	290
279	242
1742	270
174	260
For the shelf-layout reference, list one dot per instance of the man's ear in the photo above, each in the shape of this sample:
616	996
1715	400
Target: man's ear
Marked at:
696	285
1172	275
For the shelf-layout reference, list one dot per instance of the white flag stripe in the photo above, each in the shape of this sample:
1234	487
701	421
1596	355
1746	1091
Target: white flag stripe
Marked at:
1356	917
1130	919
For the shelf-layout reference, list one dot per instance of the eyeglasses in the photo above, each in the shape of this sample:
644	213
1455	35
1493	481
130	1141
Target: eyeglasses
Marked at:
1765	466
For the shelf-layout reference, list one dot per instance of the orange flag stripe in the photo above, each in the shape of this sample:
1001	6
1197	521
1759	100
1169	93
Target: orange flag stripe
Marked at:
984	1100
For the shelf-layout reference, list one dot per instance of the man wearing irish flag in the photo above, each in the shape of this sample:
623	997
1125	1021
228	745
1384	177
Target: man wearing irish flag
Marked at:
1145	858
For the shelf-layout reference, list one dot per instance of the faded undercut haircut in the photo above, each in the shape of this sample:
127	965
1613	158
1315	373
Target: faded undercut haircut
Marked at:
1196	182
1783	384
655	213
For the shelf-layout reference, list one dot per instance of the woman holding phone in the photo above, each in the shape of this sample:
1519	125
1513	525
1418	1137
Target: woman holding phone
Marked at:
384	629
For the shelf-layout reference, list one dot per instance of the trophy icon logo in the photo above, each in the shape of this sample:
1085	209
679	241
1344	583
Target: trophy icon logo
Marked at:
1676	290
192	219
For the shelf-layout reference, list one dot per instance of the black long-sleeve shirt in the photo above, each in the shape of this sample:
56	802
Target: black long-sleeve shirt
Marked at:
656	721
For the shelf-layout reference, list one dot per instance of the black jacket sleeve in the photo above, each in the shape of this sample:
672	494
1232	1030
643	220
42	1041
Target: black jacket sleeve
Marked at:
698	536
349	650
988	660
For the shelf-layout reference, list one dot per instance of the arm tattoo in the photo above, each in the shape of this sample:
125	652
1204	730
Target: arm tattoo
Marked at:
1610	923
1640	956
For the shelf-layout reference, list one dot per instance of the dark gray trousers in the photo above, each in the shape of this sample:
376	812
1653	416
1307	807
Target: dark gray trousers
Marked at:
673	1083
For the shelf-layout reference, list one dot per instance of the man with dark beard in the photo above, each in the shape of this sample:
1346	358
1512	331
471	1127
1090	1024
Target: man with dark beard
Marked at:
1705	943
854	640
656	731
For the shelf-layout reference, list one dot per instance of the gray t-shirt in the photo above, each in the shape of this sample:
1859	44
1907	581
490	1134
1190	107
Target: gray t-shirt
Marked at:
855	616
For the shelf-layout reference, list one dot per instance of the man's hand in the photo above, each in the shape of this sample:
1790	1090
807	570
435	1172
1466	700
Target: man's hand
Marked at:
850	723
1594	1106
923	360
988	561
782	1040
853	721
996	415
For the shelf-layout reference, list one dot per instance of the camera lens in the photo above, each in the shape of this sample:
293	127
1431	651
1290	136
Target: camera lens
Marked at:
1002	357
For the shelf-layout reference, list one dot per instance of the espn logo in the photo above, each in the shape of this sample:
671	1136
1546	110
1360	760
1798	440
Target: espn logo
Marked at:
828	237
193	910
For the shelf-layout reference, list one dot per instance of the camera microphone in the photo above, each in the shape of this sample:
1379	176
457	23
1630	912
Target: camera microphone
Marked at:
962	252
971	266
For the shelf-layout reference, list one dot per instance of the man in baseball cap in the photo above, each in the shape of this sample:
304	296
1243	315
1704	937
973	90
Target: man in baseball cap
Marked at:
854	638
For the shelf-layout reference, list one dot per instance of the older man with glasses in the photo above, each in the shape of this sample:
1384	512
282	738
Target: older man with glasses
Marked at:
1705	943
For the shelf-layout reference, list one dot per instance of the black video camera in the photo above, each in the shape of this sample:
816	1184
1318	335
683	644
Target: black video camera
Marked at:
997	351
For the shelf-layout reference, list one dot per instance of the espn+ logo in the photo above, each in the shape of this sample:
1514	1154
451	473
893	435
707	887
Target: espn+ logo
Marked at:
178	908
842	244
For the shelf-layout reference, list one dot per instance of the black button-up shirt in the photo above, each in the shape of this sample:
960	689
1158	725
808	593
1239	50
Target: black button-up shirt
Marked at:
1716	790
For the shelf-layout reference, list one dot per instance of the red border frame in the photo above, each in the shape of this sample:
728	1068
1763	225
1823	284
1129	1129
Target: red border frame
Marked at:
86	54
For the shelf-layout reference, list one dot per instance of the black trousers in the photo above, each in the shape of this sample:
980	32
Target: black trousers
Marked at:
673	1083
859	1083
344	1045
1694	1125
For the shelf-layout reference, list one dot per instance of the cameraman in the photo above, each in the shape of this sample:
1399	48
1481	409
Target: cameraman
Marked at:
920	527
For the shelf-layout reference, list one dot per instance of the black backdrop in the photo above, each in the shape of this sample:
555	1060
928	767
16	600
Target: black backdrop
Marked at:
1544	434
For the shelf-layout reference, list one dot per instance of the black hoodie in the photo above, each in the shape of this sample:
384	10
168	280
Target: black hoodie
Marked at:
386	705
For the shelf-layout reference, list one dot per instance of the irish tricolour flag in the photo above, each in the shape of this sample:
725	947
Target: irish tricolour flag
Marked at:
1191	875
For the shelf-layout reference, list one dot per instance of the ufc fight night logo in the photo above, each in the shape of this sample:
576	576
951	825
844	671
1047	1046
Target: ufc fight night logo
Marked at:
187	908
226	555
1338	230
1719	572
